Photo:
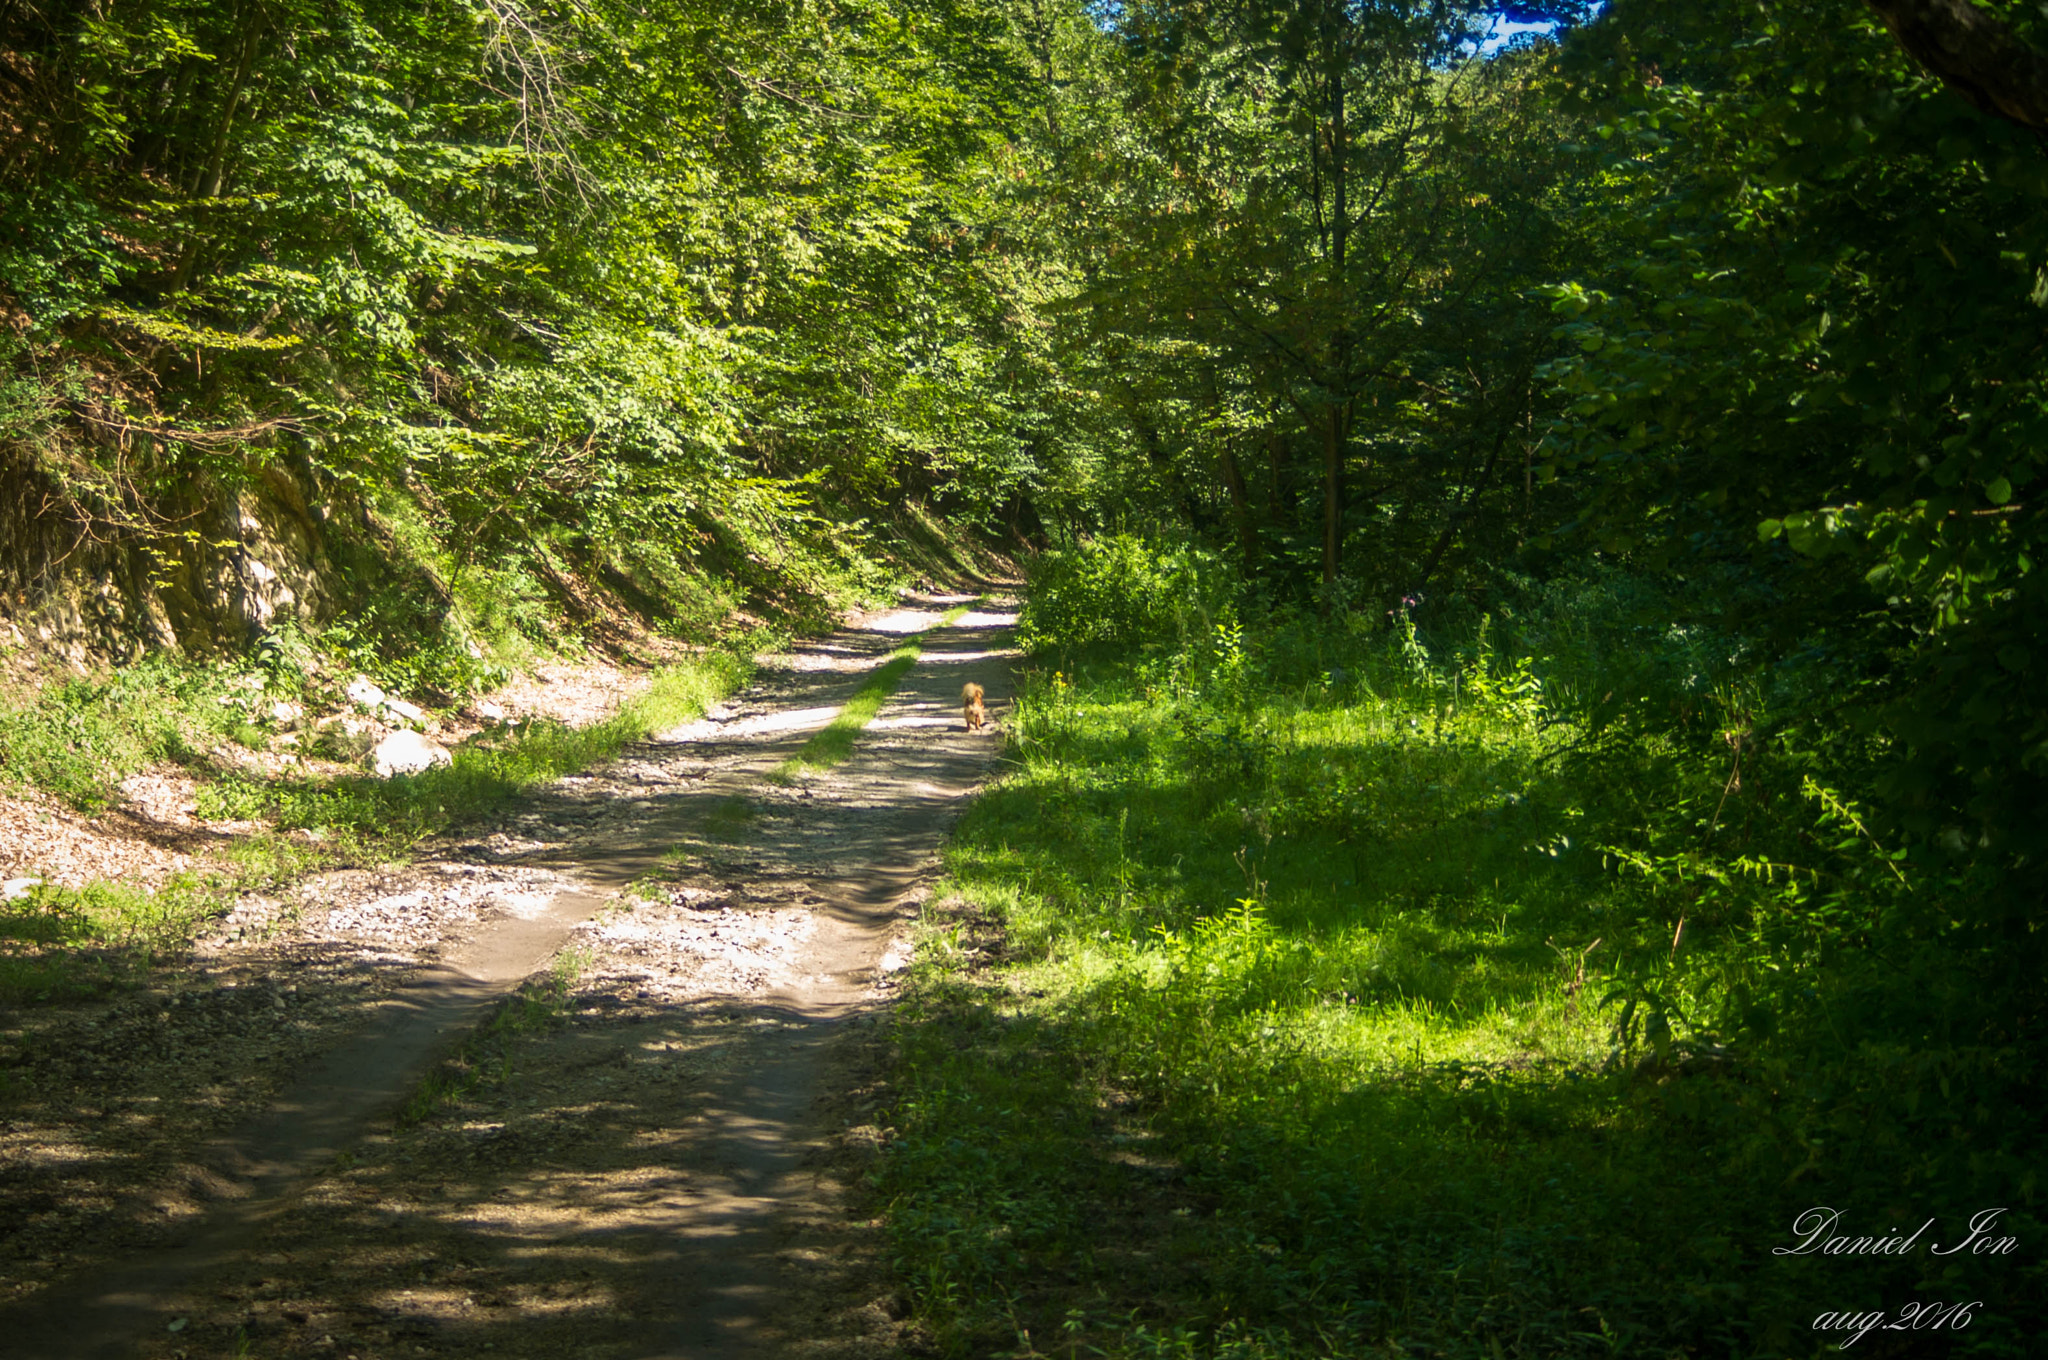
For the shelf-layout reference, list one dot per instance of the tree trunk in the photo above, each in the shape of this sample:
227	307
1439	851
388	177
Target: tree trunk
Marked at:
1340	343
1281	512
1976	55
1458	513
1333	492
216	165
1240	508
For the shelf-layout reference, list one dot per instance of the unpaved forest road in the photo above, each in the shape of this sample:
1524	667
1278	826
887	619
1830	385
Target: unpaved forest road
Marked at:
645	1179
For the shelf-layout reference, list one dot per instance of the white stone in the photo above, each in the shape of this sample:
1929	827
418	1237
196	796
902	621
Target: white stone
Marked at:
490	710
363	690
412	713
285	713
407	752
18	887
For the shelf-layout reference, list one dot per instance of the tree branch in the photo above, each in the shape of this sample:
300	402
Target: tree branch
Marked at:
1976	55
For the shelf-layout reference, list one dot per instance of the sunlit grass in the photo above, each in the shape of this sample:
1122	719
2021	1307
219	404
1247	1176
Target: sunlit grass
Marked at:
1320	963
78	738
834	742
58	942
388	815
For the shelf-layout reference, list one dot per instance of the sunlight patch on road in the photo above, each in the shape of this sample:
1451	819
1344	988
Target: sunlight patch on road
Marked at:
977	618
787	720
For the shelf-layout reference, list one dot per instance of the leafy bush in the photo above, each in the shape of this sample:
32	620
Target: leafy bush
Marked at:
1121	590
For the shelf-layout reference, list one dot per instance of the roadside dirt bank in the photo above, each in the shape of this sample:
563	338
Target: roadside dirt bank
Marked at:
642	1167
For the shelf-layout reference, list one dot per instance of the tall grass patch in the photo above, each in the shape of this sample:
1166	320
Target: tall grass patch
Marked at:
80	737
1311	991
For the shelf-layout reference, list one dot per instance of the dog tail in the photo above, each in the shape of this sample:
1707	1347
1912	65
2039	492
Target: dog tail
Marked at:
970	693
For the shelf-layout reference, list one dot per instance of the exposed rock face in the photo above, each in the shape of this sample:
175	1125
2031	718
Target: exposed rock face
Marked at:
402	711
344	738
225	563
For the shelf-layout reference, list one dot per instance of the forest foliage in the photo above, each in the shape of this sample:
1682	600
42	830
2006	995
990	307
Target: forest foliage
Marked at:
680	298
1621	444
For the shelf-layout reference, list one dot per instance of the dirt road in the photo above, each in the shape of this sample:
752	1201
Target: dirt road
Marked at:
643	1171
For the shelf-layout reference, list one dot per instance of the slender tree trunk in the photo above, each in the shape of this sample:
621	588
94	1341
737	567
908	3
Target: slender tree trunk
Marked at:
1340	346
1041	36
153	150
1240	508
216	165
1279	504
1233	481
217	162
1333	491
1340	356
1458	513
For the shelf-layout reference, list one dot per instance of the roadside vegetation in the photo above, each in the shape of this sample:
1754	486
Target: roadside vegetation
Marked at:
484	772
58	942
1315	991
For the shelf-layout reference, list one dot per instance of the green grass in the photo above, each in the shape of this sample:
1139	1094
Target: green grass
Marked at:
1269	1021
388	815
834	742
79	738
58	943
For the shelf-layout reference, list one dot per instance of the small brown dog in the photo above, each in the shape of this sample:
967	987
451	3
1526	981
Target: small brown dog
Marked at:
977	712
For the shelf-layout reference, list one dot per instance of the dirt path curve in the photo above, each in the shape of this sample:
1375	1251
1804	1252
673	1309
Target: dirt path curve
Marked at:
638	1176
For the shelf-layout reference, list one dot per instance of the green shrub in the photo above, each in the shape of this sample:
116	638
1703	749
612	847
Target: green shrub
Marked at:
1122	590
80	738
1365	993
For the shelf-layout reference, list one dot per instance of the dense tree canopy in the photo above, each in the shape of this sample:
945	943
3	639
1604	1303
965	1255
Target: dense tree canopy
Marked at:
1375	307
1366	302
616	278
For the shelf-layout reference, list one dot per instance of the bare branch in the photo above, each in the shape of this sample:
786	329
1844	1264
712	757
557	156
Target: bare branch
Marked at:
107	419
529	62
768	87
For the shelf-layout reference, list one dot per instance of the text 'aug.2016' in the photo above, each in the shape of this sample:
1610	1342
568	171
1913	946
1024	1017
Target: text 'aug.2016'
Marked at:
1818	1232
